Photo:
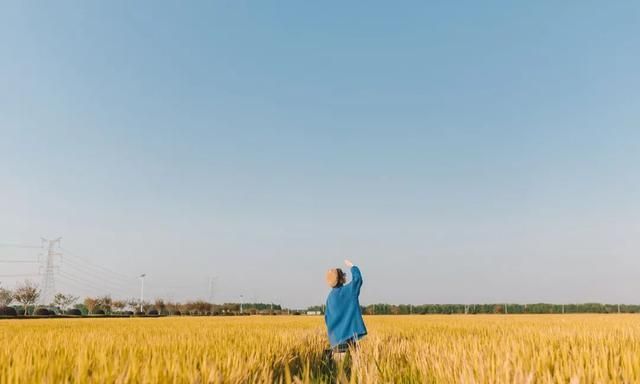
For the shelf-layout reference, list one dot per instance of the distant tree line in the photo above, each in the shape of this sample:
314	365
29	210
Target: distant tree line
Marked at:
24	299
107	306
446	309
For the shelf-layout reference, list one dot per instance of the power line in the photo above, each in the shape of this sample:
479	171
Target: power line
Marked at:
111	279
76	256
97	269
84	273
83	265
82	286
19	245
105	279
22	275
100	282
97	283
85	269
77	284
193	283
91	284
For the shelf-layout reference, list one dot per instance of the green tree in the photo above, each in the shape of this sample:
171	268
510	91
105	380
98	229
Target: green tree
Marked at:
91	303
119	305
64	301
26	294
6	297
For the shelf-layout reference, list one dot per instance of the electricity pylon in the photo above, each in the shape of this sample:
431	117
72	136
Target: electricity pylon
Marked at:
48	281
212	282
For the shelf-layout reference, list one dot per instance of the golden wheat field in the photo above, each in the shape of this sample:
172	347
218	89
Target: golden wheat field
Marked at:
426	349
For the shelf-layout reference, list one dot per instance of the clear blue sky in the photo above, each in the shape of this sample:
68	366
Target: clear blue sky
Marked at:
456	151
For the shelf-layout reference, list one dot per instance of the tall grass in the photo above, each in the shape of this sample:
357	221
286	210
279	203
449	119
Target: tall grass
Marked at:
424	349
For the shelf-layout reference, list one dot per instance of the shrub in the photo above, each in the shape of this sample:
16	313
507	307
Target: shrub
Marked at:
152	312
97	312
74	312
139	313
176	313
8	311
43	312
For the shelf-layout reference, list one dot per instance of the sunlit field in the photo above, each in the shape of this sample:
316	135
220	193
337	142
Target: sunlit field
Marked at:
454	349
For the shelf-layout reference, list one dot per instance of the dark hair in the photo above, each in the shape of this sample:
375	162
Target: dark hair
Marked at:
335	278
342	278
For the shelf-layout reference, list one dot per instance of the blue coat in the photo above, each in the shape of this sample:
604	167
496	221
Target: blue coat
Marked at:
342	315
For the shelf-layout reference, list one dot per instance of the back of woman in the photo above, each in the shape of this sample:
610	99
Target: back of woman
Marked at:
343	316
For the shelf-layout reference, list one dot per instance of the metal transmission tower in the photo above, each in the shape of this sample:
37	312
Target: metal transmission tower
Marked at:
212	282
142	291
48	282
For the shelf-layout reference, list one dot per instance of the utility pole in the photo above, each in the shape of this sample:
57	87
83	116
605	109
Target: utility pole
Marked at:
142	290
506	309
48	282
212	281
241	300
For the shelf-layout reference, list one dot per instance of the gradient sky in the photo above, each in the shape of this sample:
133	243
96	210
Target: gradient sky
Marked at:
456	151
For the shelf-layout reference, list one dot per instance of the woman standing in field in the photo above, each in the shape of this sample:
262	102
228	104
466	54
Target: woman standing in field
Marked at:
342	315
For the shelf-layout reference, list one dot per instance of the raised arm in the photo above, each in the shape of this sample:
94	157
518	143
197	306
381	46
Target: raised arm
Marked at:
356	277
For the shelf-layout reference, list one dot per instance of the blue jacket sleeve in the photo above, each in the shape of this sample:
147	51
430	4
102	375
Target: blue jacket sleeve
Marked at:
356	280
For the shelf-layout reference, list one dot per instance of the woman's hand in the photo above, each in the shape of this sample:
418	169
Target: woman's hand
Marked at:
348	263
